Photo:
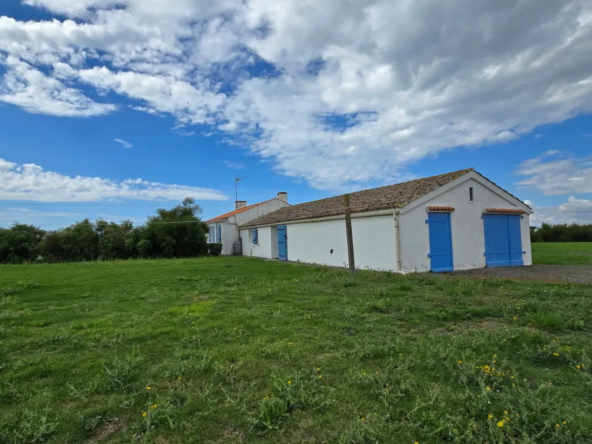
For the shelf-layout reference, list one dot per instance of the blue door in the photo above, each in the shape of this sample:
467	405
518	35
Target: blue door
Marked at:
282	242
503	242
440	242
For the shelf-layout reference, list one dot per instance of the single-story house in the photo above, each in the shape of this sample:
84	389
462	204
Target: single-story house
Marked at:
454	221
224	229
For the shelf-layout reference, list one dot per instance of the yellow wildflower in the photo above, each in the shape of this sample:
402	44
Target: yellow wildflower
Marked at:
179	378
564	422
148	388
578	367
500	424
488	389
289	382
144	414
505	412
318	369
489	417
514	319
376	372
320	376
460	362
557	425
363	419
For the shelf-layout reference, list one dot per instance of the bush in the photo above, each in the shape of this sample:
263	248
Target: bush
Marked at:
561	233
214	249
177	232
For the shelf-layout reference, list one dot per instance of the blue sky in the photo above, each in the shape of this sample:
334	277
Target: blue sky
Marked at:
96	96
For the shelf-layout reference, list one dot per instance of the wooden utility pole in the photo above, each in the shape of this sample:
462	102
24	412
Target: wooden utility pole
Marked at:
350	236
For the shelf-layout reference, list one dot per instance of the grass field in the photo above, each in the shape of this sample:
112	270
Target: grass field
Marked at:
242	350
562	253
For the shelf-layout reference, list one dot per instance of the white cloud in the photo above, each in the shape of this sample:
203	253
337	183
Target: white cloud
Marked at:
125	144
32	90
574	205
30	182
574	211
234	165
557	176
337	93
12	214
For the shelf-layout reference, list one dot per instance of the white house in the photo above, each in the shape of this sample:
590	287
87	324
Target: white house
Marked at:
455	221
224	228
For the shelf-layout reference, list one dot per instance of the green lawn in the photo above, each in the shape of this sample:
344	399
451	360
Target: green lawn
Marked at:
242	350
562	253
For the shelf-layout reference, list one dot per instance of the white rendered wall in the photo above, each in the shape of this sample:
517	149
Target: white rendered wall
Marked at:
312	242
228	235
468	238
265	246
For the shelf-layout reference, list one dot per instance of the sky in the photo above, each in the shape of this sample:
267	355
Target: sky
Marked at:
114	108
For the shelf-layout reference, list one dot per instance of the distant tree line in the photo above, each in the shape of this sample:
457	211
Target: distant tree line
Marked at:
561	233
178	232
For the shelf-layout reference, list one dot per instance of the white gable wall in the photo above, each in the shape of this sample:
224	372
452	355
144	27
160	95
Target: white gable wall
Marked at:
258	211
468	238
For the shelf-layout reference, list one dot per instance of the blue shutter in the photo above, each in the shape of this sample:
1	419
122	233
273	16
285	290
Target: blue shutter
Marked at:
440	235
255	236
219	240
212	237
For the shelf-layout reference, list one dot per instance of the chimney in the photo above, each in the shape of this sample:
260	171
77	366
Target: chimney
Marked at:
283	196
240	204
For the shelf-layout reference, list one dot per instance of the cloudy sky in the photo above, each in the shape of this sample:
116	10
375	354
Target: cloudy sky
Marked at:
112	108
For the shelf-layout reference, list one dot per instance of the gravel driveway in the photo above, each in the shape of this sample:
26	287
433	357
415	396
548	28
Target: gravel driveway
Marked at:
549	273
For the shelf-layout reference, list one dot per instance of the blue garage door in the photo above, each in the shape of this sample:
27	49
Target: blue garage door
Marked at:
282	243
440	242
503	243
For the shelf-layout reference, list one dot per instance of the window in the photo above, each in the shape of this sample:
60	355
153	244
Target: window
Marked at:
471	194
255	236
212	237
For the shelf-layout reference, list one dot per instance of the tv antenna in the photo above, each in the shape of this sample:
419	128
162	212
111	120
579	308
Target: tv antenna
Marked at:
236	181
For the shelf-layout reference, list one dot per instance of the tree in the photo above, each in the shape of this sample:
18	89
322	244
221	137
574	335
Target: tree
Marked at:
178	232
20	243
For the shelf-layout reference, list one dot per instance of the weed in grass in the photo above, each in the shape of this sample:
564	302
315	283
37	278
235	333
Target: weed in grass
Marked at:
122	374
546	321
272	414
198	309
184	363
7	292
30	426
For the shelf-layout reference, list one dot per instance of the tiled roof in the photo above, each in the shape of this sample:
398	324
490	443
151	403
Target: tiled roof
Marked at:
505	210
232	213
444	209
390	196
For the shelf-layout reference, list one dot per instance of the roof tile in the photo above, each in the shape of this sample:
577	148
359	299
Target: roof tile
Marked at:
505	210
387	197
444	209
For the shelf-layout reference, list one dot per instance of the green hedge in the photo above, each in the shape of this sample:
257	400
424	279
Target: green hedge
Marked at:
214	249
